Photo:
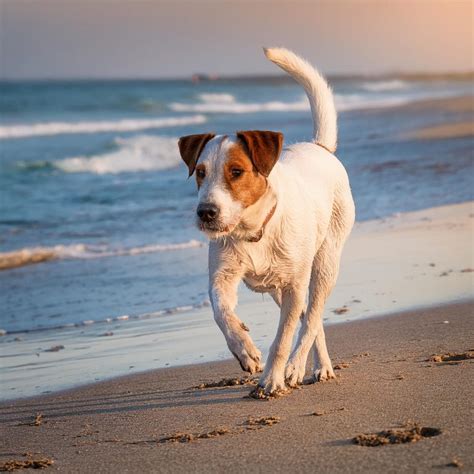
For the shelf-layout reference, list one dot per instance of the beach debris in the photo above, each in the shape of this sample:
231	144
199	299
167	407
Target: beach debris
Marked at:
399	377
57	348
467	270
432	264
356	301
108	333
228	382
15	464
455	463
37	421
451	357
255	423
341	310
446	273
188	437
408	434
342	365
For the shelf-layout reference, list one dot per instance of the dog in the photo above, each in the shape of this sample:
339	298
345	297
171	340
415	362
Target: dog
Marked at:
277	218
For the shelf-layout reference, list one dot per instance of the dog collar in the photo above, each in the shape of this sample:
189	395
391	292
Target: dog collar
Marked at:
259	235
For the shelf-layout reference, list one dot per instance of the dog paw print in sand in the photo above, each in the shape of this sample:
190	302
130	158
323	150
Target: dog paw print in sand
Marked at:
250	424
408	434
257	423
341	366
30	463
451	358
189	437
227	382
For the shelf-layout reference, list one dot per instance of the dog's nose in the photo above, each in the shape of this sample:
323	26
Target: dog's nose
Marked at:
207	212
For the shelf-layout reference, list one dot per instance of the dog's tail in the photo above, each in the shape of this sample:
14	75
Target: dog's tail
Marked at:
318	92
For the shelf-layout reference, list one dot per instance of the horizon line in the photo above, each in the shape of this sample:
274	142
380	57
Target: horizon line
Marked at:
211	77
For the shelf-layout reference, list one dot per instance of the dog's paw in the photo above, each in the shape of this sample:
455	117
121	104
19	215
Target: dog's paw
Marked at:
324	374
248	356
294	373
251	363
270	386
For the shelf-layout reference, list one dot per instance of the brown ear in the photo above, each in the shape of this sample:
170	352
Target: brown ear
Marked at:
263	148
191	147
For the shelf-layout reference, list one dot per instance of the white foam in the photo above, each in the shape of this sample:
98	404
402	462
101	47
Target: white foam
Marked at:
380	86
226	103
139	153
58	128
30	255
360	102
223	98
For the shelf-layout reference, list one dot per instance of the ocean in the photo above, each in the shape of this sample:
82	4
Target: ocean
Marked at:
92	184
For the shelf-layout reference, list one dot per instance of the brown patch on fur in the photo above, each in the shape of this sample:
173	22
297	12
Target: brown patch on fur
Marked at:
191	146
263	148
250	186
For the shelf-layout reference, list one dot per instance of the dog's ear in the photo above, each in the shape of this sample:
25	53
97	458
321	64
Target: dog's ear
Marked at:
263	147
191	146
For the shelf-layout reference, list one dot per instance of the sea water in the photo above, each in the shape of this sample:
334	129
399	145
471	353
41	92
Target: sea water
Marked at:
92	183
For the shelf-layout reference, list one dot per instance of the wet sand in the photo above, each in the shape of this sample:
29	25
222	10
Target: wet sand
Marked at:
387	377
444	131
446	104
443	106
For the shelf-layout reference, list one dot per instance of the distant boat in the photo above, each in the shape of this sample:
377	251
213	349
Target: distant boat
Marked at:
195	78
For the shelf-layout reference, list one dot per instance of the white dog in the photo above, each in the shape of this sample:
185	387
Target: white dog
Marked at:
278	225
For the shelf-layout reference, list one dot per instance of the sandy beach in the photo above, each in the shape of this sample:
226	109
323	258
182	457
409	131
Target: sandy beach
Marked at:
132	132
394	371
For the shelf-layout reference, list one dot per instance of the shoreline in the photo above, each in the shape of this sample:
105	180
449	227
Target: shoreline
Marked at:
387	376
227	357
408	260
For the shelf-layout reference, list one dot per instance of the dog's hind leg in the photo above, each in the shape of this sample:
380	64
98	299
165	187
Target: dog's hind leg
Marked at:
323	278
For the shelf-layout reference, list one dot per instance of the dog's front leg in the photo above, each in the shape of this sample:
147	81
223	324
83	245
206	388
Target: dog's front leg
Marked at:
292	304
223	294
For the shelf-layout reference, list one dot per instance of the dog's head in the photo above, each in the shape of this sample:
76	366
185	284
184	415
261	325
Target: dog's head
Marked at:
231	174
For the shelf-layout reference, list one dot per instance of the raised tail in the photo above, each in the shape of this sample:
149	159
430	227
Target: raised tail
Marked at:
318	92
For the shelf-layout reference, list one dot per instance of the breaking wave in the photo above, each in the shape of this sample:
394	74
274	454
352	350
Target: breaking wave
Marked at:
31	255
138	153
58	128
227	103
360	102
381	86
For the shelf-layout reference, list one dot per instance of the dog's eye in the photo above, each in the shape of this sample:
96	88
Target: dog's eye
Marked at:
201	173
236	172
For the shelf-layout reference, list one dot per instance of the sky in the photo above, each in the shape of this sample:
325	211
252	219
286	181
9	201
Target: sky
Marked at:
53	39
